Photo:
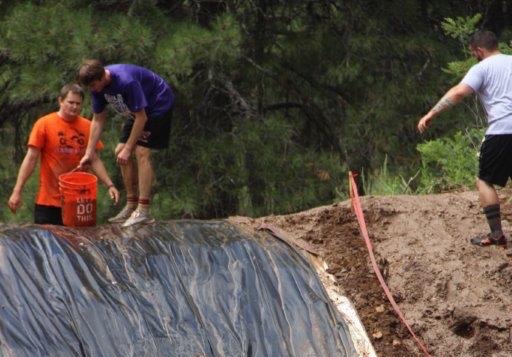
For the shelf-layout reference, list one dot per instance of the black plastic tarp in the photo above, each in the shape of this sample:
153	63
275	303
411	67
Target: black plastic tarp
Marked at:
181	288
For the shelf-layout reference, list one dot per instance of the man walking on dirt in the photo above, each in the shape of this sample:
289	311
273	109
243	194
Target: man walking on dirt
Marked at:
145	100
491	79
58	140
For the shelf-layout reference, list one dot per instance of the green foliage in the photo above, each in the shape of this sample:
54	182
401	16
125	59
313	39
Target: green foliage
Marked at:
272	174
460	28
189	50
384	182
275	100
449	163
255	169
44	46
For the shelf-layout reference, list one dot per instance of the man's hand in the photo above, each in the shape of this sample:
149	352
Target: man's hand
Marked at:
425	122
85	161
113	193
123	155
14	201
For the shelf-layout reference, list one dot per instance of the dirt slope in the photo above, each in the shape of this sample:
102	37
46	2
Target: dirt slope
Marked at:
457	297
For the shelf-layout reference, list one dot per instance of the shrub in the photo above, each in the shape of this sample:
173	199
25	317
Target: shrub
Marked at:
449	163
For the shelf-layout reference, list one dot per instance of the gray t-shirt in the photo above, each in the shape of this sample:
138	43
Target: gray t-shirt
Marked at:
492	80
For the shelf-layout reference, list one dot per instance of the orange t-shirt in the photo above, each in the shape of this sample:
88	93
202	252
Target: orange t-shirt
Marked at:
62	145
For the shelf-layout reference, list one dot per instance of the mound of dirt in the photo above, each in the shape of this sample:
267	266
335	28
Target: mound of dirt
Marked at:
456	296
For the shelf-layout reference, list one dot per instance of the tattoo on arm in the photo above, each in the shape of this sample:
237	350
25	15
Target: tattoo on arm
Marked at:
443	104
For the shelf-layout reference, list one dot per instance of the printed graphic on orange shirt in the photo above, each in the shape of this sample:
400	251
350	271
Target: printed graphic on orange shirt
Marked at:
73	144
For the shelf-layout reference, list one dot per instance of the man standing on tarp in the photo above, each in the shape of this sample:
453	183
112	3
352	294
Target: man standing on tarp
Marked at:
145	100
491	79
58	140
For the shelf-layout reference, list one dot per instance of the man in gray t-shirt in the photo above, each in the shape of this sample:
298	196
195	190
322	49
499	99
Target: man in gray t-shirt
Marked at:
491	80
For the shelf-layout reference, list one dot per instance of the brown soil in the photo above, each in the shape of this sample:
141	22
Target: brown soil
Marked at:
457	297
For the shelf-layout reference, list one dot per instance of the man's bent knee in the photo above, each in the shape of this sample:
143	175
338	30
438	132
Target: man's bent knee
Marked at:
142	153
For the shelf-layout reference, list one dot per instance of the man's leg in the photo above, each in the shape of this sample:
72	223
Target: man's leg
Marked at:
494	169
155	136
145	180
130	181
146	173
490	204
129	174
486	193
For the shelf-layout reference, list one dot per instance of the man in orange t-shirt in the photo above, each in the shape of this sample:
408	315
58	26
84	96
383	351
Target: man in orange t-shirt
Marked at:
59	139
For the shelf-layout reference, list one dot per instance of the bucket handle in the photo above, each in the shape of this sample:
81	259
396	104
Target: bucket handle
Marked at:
82	190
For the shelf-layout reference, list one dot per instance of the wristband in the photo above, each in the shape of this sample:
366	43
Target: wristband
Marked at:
111	185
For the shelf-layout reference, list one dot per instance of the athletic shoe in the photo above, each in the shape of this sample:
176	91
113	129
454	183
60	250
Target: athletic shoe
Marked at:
123	215
137	217
485	240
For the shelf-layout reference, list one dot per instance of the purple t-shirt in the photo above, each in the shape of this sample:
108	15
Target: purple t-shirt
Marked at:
132	89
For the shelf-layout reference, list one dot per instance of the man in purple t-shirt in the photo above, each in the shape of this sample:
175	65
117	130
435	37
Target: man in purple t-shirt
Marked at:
146	101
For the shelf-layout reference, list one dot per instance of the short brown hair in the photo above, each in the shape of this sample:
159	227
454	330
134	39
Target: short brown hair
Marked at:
73	88
484	39
91	70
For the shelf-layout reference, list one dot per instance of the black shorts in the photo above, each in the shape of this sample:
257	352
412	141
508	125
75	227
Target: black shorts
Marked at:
155	134
495	164
48	215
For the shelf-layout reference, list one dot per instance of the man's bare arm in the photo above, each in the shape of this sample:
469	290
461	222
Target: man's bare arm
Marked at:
26	169
443	104
98	122
454	96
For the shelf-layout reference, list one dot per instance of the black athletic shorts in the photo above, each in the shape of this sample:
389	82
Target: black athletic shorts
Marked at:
495	164
48	215
156	132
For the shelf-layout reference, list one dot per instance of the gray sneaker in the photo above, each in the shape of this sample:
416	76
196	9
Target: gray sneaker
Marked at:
137	217
123	215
